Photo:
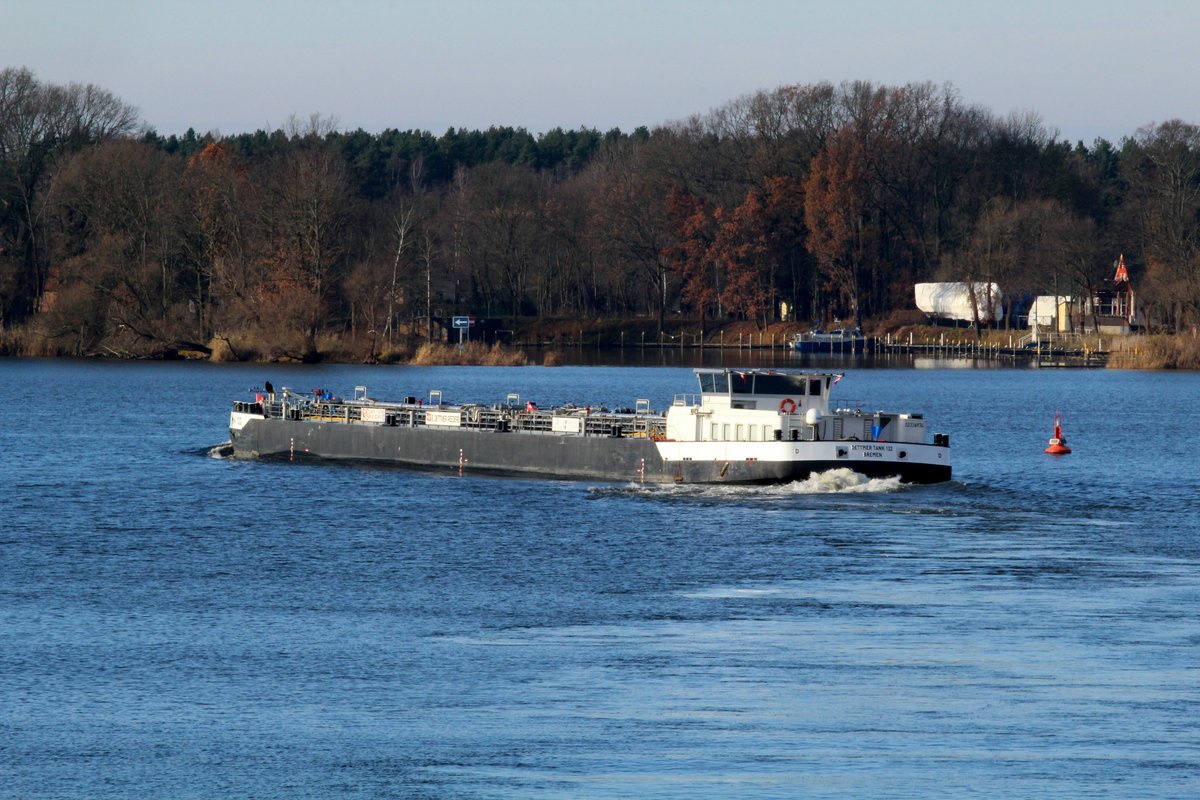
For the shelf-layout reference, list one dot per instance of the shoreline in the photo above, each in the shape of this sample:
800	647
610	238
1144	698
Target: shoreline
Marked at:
555	343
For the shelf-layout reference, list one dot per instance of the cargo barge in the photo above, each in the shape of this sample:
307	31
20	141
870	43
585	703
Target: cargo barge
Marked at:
742	426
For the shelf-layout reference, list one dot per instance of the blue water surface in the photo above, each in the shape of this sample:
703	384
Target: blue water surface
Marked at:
177	625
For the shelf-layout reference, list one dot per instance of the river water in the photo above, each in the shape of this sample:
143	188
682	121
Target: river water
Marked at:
177	625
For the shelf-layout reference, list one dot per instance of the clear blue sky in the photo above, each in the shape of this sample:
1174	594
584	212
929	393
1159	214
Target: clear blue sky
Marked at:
1097	68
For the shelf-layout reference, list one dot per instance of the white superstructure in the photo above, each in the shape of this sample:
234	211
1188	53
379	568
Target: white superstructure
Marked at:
770	416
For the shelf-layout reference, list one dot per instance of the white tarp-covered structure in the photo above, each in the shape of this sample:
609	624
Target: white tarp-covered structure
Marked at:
1047	309
953	301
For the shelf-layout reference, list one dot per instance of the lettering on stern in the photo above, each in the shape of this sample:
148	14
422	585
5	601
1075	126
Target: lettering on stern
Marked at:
872	450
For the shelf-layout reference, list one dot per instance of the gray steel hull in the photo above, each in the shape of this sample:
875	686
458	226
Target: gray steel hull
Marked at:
543	454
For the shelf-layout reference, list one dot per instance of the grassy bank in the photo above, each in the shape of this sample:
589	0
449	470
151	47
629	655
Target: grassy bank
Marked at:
639	331
470	354
1155	352
556	337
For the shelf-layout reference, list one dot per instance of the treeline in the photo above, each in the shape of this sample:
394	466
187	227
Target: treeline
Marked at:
831	200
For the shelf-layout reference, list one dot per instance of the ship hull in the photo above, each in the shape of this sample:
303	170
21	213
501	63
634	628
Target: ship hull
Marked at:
593	457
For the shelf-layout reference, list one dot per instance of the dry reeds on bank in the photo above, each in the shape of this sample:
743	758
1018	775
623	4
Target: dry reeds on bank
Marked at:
470	354
1156	352
13	344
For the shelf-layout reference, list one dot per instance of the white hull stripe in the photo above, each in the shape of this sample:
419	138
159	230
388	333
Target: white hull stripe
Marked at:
849	451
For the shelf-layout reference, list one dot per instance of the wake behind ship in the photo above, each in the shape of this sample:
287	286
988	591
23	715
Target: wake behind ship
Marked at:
743	426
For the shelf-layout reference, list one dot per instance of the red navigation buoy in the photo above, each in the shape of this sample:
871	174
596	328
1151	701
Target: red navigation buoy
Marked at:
1058	444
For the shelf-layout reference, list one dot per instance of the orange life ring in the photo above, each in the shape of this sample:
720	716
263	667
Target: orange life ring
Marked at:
787	406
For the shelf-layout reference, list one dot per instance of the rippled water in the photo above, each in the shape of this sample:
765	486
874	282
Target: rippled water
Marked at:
177	625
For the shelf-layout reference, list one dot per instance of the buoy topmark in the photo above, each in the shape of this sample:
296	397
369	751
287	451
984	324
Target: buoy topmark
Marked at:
1058	444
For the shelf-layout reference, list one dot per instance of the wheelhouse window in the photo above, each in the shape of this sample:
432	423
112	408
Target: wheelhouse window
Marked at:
741	382
759	383
789	385
714	383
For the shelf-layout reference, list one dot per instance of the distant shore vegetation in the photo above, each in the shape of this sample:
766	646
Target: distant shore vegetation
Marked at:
819	201
470	354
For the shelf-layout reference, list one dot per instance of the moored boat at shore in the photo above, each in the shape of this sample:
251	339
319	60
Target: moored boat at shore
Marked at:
841	340
743	426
